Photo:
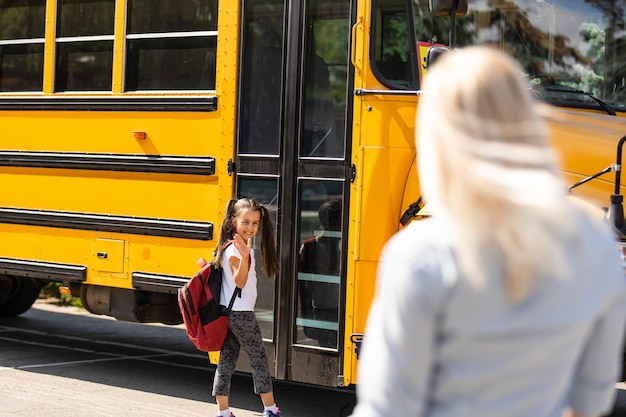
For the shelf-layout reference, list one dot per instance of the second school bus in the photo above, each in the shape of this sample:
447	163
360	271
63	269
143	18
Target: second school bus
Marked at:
126	125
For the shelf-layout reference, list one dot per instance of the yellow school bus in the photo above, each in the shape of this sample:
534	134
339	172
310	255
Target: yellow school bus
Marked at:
126	126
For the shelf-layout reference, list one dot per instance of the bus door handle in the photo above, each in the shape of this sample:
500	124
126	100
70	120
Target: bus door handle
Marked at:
353	43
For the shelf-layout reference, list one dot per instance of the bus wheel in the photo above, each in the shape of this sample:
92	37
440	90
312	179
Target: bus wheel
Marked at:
5	289
19	297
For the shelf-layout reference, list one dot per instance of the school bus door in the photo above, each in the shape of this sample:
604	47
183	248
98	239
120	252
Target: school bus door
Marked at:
292	154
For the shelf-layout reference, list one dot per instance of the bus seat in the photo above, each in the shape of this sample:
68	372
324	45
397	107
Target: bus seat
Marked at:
319	136
261	100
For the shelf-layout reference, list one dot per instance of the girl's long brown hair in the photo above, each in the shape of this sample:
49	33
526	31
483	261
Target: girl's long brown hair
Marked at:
269	257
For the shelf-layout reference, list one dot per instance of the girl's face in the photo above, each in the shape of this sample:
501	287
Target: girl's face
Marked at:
247	223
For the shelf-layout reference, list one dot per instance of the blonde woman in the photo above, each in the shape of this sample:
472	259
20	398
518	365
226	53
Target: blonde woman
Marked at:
510	300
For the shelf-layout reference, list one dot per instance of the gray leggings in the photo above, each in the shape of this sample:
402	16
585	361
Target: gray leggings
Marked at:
243	331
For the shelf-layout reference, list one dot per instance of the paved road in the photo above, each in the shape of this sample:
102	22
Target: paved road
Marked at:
64	362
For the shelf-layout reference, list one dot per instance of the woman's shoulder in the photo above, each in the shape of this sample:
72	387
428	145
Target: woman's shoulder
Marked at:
431	234
598	251
595	230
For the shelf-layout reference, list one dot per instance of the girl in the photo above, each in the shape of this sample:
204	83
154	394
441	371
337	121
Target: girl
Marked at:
242	219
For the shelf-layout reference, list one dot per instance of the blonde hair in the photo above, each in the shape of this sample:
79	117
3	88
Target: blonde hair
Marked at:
486	162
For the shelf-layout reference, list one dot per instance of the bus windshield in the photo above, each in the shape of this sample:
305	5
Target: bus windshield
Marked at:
572	51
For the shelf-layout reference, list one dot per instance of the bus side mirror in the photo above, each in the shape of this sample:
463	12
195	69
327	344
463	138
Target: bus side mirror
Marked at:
615	214
433	54
445	7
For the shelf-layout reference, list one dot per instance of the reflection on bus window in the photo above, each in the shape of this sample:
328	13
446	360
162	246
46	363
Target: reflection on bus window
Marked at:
262	78
85	18
13	60
84	66
325	80
319	137
182	56
171	64
391	47
570	49
161	16
319	266
84	45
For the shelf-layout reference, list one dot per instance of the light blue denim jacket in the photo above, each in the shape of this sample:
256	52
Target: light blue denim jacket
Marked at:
437	346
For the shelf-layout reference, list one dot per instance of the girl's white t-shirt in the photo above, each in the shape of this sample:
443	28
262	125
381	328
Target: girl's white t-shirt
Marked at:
247	301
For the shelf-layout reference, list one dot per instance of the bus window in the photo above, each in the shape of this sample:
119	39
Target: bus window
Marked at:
84	43
571	51
171	45
391	51
325	81
319	265
22	27
262	78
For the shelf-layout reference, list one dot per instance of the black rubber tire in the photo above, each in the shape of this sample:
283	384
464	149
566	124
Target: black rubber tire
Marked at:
5	289
21	296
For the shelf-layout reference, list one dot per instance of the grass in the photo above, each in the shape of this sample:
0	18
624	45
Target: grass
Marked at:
51	290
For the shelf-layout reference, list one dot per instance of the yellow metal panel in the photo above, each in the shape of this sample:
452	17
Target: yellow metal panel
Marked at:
49	46
214	357
168	133
168	256
383	159
108	255
226	89
359	294
130	194
349	365
386	171
362	270
118	46
45	244
383	153
388	121
586	143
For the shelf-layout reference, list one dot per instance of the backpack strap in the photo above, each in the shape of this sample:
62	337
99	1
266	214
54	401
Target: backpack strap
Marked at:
236	293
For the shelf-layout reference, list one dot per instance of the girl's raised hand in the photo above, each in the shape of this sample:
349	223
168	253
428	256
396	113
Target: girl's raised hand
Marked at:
242	246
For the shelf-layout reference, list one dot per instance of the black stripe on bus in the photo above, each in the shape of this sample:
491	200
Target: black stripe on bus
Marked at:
183	229
126	103
164	164
147	281
43	270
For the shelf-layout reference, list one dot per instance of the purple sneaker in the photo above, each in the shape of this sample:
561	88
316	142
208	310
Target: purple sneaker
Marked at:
268	413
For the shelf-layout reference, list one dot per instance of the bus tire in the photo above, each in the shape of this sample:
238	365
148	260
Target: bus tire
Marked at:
5	288
20	297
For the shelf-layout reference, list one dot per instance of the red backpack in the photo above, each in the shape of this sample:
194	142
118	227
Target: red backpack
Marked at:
205	320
